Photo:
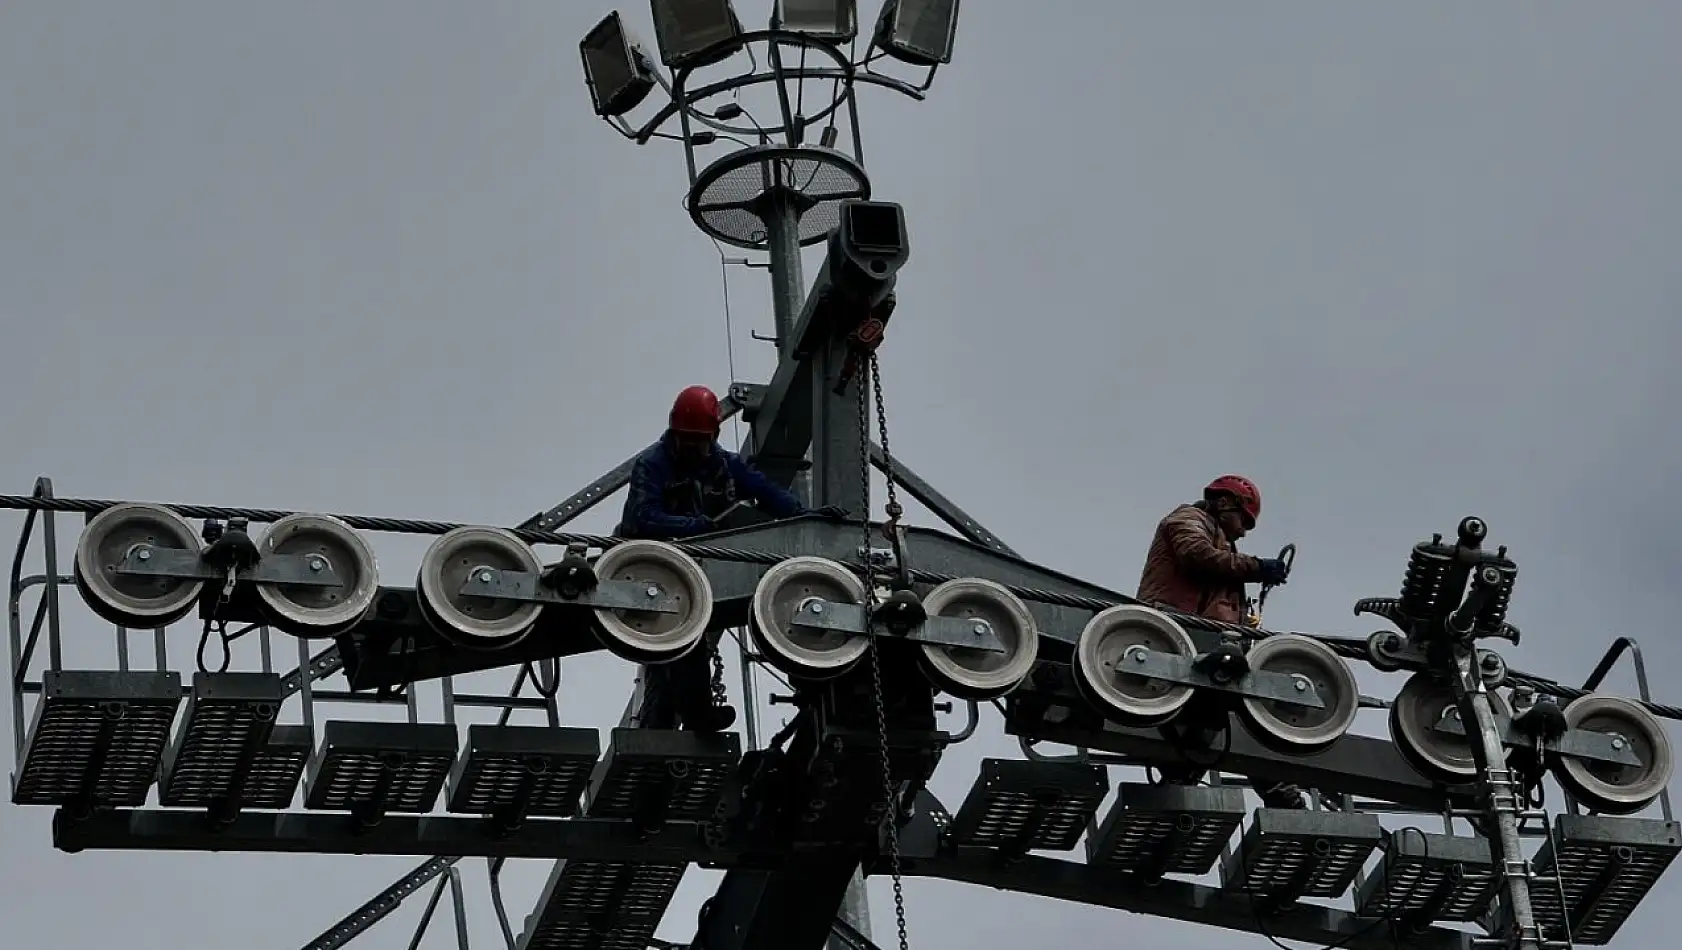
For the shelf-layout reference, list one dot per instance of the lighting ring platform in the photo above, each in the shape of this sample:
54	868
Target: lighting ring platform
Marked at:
1300	730
1422	702
131	600
644	636
1608	787
724	201
307	611
978	674
1099	654
797	650
477	623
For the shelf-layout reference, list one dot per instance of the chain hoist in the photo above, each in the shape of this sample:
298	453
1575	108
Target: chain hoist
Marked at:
890	529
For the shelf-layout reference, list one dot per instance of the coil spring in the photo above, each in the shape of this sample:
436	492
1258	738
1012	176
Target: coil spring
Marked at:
1427	573
1495	612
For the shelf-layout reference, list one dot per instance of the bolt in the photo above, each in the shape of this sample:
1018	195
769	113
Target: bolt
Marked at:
1617	743
980	629
1300	684
816	608
144	554
485	576
1138	654
317	564
652	591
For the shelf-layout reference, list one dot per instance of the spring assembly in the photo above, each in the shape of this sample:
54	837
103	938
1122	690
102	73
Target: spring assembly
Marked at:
1494	613
1427	574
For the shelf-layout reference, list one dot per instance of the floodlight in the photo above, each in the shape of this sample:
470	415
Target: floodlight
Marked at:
918	32
695	33
378	768
227	744
1426	877
1604	867
653	774
615	68
1022	806
516	771
600	904
832	20
1167	829
97	738
1288	854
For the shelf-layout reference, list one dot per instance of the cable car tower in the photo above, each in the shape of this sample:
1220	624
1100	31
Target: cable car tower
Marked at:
1169	716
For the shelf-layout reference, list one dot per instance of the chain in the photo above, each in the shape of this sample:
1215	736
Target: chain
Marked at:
889	798
717	656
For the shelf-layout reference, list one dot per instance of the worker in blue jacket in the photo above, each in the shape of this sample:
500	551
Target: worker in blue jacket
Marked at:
683	485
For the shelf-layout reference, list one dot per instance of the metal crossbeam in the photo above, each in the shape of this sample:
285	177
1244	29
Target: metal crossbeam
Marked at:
588	839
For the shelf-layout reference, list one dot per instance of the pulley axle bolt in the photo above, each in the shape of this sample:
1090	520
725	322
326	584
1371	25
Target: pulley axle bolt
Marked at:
317	564
1618	743
1300	683
979	629
484	576
652	591
144	554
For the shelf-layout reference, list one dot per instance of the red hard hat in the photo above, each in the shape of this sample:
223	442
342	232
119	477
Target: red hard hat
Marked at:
1241	488
695	411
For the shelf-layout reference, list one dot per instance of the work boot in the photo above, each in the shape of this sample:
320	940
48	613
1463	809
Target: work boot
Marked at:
715	719
1282	795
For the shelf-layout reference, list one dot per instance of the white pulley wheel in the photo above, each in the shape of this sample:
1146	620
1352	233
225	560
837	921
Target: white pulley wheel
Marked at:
1102	654
979	674
789	587
1300	730
1420	705
479	623
135	600
317	611
1609	787
645	636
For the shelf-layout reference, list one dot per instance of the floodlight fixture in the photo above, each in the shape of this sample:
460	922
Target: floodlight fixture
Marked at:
1603	867
1287	854
600	904
834	21
520	771
1154	830
652	776
223	755
918	32
97	739
380	768
695	33
615	68
1019	806
1426	877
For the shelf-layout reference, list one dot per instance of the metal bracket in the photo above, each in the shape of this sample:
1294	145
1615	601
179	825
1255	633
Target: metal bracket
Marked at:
937	631
879	559
1575	743
302	570
608	595
1290	688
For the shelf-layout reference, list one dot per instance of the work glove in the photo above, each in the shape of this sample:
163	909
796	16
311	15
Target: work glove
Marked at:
833	512
1274	571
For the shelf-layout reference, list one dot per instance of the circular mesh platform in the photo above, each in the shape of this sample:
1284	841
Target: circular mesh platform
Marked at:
728	196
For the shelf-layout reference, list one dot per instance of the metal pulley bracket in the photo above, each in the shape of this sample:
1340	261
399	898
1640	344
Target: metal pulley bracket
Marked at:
606	595
293	569
1256	684
1575	743
938	631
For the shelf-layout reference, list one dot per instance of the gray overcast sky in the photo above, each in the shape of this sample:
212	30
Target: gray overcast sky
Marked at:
1399	265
